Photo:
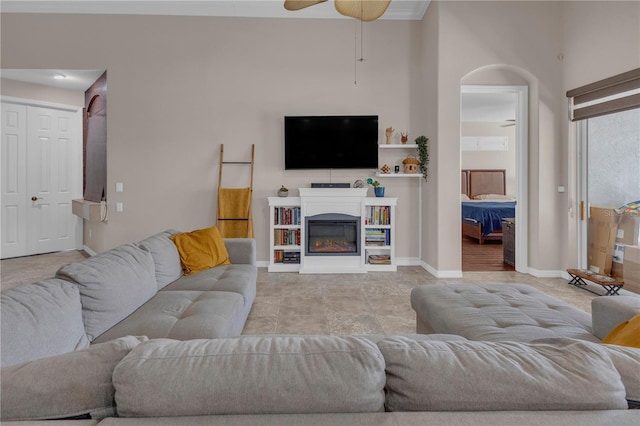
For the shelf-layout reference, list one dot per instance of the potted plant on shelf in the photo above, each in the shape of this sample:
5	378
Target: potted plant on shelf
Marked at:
423	155
377	189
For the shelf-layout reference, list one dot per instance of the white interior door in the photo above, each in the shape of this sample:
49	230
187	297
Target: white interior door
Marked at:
14	180
49	162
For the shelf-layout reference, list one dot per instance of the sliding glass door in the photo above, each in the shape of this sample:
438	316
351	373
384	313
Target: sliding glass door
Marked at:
610	165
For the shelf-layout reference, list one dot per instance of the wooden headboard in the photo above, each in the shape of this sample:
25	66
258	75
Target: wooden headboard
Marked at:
482	181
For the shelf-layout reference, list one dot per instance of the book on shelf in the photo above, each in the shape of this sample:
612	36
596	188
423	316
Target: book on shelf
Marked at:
286	237
286	216
379	259
378	215
376	236
281	256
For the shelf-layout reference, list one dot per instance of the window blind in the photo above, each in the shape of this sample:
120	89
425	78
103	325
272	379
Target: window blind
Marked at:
614	94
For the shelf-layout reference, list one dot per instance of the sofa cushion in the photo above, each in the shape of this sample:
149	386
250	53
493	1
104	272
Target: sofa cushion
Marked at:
201	249
251	375
184	315
232	278
72	384
165	257
627	362
40	320
112	285
498	312
488	376
625	359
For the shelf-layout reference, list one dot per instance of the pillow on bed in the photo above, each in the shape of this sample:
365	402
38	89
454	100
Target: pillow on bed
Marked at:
464	197
493	197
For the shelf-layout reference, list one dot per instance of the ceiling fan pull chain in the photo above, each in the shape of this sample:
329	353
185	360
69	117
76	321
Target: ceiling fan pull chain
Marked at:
355	48
355	53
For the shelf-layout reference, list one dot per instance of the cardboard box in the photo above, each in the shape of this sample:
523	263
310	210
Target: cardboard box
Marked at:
603	228
631	268
627	234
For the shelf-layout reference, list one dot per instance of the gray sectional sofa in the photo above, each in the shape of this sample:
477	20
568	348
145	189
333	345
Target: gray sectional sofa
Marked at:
327	380
163	356
132	290
514	312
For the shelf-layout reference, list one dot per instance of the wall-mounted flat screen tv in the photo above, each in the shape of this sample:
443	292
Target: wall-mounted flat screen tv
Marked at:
331	142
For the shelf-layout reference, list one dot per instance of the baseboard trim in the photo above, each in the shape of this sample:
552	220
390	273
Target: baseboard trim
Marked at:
408	261
440	274
547	273
89	251
262	263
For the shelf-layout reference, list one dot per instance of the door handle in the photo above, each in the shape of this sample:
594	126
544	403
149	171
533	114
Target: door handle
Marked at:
34	198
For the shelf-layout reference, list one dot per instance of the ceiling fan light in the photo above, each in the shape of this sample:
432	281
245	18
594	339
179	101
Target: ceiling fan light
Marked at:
365	10
300	4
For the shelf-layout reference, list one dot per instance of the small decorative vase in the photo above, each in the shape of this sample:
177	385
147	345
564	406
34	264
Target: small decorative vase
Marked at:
283	192
379	191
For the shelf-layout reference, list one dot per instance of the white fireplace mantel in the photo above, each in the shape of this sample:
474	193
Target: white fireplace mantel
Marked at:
315	201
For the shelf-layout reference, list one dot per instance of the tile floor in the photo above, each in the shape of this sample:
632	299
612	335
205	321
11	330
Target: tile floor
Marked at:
290	303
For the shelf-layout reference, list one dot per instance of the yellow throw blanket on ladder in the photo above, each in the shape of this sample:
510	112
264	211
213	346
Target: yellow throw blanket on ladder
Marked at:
235	204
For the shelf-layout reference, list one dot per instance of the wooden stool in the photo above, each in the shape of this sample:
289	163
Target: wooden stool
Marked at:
612	285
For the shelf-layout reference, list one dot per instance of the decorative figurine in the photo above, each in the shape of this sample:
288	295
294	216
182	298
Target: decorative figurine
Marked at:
283	192
404	136
388	132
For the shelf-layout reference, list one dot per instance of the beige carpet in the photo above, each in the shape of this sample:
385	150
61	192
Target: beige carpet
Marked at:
290	303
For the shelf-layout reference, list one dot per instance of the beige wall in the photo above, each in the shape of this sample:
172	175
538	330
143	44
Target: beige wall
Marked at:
492	159
522	37
181	86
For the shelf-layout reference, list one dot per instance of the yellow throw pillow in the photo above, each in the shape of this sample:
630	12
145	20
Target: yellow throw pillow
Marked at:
201	249
625	334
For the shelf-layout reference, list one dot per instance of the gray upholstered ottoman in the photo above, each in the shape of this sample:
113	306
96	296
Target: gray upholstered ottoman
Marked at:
497	312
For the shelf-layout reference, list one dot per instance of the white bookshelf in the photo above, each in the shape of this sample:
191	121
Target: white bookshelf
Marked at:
284	219
291	205
383	224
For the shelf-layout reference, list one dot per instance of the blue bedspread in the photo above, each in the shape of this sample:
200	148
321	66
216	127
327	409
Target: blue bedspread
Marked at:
490	214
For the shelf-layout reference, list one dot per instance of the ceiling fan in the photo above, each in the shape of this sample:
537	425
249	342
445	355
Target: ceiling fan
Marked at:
364	10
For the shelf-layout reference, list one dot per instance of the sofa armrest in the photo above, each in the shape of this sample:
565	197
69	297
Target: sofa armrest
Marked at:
608	312
241	250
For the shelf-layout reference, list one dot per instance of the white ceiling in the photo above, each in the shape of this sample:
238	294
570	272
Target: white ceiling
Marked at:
398	9
77	80
488	107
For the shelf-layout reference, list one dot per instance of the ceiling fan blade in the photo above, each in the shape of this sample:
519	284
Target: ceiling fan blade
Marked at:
300	4
365	10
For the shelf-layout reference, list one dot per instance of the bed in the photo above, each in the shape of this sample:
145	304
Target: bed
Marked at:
484	204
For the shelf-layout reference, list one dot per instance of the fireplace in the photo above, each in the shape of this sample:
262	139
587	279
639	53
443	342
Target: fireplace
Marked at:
332	234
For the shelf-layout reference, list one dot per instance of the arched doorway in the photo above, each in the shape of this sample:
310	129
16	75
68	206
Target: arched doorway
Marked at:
505	82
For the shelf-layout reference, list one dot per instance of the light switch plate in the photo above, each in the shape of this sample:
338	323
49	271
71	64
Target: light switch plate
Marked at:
119	187
119	207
